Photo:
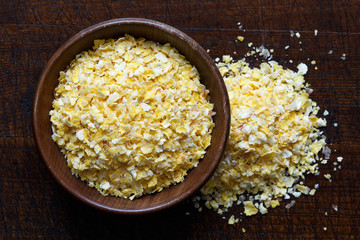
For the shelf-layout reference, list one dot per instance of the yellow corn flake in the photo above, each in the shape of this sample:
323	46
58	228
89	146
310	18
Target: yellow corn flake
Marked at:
327	176
275	203
227	58
131	116
250	209
232	220
303	189
317	146
240	38
312	192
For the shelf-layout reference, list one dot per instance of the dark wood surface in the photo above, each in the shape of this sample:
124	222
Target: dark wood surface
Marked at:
34	206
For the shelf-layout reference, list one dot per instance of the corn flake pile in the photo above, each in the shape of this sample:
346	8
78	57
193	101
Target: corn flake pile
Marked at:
131	116
274	138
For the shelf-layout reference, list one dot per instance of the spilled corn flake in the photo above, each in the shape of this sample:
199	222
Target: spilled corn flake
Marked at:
312	192
274	138
232	220
240	38
250	209
335	207
131	116
327	176
290	205
302	68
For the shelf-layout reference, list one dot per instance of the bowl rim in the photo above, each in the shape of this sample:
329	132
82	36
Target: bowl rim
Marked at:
110	23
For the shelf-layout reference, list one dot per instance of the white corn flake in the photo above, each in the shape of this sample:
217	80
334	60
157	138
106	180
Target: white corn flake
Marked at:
296	194
145	107
321	122
105	185
286	154
302	68
290	205
335	207
113	97
245	113
161	57
80	135
326	151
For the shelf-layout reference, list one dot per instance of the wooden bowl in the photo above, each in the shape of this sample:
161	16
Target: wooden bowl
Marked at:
151	30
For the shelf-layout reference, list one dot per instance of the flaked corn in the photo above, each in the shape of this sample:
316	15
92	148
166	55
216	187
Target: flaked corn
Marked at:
131	116
274	137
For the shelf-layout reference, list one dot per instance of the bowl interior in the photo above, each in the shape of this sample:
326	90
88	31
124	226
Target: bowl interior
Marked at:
151	30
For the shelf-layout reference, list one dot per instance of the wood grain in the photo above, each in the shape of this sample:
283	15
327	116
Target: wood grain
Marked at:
34	206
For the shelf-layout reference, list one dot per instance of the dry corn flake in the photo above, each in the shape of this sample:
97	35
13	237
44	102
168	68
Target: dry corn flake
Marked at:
131	116
274	138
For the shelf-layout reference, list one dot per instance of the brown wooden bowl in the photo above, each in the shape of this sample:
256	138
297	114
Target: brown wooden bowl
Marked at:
151	30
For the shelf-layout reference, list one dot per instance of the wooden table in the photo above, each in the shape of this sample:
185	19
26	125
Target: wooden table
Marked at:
34	206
